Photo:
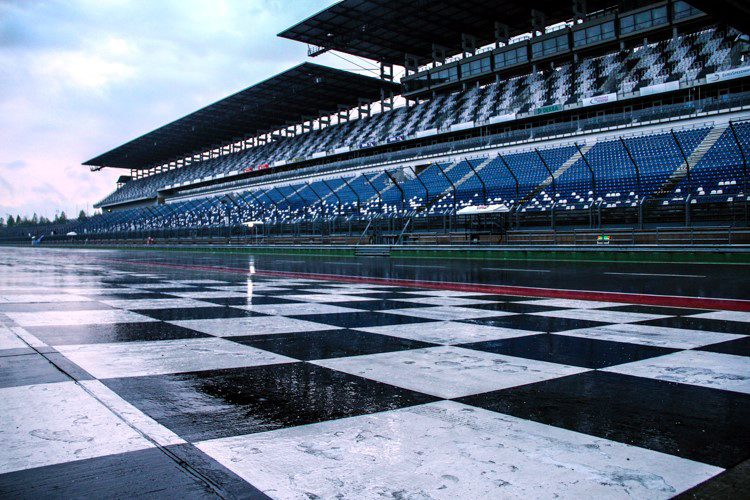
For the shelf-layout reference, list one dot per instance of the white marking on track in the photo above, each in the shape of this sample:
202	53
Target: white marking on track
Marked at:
664	275
426	267
520	270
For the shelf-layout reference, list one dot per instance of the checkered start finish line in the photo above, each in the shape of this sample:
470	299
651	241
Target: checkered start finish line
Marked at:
206	381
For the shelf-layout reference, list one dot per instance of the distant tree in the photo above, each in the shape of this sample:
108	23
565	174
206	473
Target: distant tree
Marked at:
63	218
82	216
34	219
43	220
22	222
2	222
11	221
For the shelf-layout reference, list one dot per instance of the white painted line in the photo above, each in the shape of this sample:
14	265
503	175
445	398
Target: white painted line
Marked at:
345	263
134	417
290	261
520	270
426	267
664	275
27	337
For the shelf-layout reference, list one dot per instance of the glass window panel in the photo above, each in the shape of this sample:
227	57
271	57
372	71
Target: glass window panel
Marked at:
659	15
626	24
642	20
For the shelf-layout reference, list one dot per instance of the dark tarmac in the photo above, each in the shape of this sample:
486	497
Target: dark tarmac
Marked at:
167	374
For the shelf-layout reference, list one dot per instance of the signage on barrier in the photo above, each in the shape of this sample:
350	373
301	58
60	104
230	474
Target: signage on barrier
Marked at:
728	75
599	99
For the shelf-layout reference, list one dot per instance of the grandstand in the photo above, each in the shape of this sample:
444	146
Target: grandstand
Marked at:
569	119
331	285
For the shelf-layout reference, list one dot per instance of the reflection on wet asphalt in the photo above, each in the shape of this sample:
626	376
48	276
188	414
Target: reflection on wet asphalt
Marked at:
116	372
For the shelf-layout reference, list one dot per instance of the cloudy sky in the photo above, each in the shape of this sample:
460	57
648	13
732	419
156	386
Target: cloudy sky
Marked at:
79	77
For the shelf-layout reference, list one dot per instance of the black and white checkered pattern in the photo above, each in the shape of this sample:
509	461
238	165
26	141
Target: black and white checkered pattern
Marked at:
311	389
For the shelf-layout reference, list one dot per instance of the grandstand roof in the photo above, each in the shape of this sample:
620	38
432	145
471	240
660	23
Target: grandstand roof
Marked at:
288	97
386	30
734	12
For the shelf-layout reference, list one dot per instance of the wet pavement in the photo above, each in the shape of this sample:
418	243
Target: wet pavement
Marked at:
167	374
694	280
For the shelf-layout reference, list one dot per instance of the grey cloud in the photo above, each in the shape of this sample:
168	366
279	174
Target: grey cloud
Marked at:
179	55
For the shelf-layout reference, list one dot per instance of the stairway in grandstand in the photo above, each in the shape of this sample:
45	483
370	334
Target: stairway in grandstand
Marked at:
467	176
437	197
378	195
556	174
681	172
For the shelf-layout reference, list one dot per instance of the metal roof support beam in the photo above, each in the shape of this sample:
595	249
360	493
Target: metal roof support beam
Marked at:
324	120
342	115
468	44
579	9
537	22
386	99
364	107
386	72
308	124
502	34
438	54
411	63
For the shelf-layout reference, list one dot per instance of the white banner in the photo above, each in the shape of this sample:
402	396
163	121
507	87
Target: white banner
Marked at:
425	133
599	99
483	209
728	75
461	126
662	87
503	118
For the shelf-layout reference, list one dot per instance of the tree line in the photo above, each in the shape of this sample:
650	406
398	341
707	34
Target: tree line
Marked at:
35	220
